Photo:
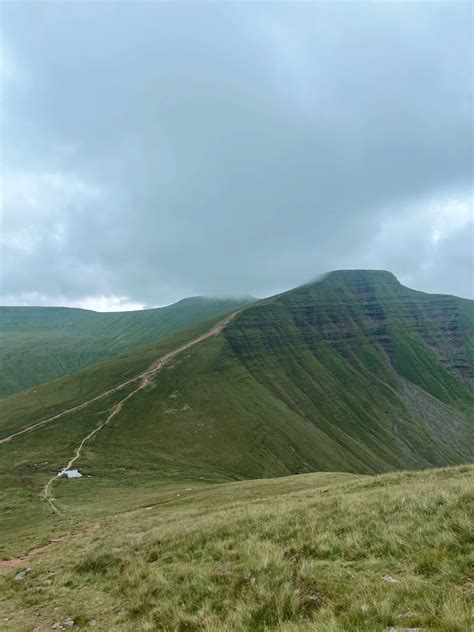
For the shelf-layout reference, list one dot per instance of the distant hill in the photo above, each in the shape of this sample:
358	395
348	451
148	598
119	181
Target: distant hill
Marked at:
353	372
38	344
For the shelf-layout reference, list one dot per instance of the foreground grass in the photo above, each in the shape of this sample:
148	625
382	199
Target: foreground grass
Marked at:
327	552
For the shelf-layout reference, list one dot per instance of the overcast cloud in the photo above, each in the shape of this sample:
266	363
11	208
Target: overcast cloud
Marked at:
155	151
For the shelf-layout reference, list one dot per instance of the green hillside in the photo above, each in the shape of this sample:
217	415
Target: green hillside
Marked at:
323	552
352	373
379	375
38	344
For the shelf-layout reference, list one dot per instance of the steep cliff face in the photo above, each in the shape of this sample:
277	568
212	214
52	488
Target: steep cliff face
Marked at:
355	312
384	372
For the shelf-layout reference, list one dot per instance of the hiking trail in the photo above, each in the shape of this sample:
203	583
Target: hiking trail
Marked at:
144	378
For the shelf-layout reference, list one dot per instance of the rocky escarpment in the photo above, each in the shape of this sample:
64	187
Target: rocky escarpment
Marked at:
353	311
367	362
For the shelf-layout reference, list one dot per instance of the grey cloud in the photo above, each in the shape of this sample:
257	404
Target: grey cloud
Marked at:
233	148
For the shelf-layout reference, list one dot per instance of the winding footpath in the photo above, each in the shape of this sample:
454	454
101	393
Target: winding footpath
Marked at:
144	378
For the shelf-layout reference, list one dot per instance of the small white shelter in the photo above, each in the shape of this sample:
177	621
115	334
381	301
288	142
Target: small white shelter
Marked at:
69	473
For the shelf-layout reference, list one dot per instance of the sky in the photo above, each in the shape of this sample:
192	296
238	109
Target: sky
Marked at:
152	151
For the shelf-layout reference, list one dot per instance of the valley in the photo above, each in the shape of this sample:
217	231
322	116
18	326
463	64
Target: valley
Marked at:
39	344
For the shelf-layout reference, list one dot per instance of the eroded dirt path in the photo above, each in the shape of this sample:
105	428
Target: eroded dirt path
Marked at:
15	562
44	422
145	379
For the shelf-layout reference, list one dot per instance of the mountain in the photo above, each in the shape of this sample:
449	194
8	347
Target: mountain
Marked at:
352	373
38	344
378	375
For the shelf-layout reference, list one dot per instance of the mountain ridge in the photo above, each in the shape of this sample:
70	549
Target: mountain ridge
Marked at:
43	343
353	372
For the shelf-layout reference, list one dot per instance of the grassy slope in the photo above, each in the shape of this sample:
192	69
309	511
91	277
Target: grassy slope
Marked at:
30	460
38	344
301	553
21	409
383	371
353	373
278	394
306	381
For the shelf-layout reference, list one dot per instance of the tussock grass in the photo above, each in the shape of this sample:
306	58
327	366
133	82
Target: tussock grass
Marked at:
301	553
